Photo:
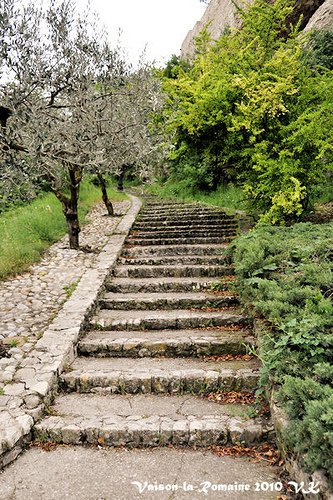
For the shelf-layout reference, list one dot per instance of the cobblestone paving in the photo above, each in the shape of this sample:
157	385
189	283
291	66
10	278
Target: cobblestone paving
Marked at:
29	301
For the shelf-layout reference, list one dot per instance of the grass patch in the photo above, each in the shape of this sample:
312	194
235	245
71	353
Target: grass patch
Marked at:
70	289
27	232
285	274
230	196
116	195
323	192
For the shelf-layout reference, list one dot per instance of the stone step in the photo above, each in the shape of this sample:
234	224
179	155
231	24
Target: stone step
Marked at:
184	211
178	241
191	233
174	250
167	204
180	207
185	260
168	343
145	420
166	301
133	271
185	219
179	319
153	285
184	224
159	375
156	202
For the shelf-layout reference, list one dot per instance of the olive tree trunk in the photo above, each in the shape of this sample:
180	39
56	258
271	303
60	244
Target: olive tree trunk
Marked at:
105	198
70	206
73	226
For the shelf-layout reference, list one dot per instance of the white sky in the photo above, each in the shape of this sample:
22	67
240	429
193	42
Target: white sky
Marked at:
162	25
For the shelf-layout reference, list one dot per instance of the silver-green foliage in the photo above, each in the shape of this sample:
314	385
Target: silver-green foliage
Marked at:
72	102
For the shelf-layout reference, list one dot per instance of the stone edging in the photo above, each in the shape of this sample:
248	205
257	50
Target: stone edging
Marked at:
24	401
292	465
245	221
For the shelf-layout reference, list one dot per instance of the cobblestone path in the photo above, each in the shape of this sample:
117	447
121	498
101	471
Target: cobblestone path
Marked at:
160	339
29	301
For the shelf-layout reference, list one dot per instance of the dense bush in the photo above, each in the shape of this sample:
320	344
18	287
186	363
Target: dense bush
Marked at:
310	405
287	275
251	110
319	51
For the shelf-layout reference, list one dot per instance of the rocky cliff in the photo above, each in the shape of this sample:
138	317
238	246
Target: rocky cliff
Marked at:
322	18
222	13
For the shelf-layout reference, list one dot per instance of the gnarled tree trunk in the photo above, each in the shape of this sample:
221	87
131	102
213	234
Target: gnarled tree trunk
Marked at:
73	226
70	205
70	209
105	198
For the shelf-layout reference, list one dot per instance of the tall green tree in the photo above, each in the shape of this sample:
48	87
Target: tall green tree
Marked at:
251	111
53	59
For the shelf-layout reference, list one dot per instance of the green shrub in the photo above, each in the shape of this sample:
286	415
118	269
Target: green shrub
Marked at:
319	50
310	406
250	111
286	274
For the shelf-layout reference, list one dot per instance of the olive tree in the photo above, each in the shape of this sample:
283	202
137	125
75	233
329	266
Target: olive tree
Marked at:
52	60
126	134
67	98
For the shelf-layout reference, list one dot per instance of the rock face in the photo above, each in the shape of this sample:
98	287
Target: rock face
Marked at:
222	13
322	18
305	8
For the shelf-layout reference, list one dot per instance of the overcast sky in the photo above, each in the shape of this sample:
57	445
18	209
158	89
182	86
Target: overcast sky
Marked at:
160	24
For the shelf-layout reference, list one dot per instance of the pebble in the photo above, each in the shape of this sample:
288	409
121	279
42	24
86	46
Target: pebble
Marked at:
31	300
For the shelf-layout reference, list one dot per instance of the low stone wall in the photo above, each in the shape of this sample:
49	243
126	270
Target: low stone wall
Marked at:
24	401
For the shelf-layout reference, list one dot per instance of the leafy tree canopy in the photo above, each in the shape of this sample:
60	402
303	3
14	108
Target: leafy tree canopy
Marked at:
250	110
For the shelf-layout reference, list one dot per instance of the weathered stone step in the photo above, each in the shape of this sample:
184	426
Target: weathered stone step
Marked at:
166	301
156	202
191	233
133	271
178	241
184	211
174	250
169	343
178	206
184	220
159	375
167	204
164	319
175	260
154	285
184	224
145	420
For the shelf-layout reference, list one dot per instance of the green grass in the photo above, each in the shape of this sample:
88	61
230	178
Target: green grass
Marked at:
323	193
230	197
27	232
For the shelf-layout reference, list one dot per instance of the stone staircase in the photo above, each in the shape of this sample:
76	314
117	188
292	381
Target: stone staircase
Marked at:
155	344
